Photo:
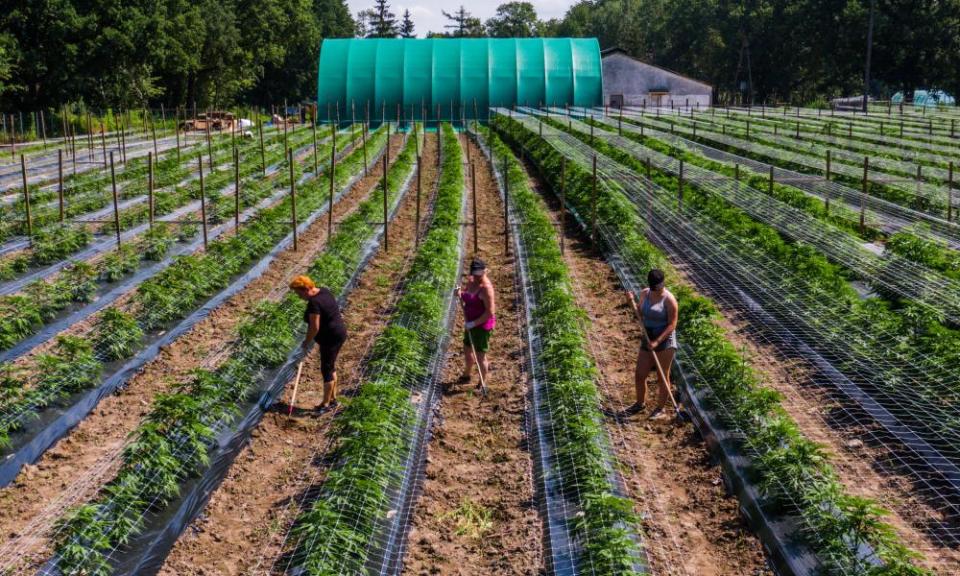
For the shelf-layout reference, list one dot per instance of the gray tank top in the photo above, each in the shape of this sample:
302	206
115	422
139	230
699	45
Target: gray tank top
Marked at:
655	315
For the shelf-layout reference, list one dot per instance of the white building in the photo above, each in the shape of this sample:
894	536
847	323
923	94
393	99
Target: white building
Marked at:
628	81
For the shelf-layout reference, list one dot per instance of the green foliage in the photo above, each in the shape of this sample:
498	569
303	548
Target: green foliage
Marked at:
607	521
792	470
177	52
116	334
376	421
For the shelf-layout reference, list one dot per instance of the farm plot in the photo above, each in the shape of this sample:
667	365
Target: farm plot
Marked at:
242	528
105	275
478	440
644	193
116	341
886	178
202	346
880	216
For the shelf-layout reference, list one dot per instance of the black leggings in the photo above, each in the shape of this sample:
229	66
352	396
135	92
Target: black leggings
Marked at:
328	357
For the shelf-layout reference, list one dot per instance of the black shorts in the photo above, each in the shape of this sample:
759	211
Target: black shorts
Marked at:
329	350
669	344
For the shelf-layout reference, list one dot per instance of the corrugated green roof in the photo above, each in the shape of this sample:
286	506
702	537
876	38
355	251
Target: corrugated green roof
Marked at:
455	72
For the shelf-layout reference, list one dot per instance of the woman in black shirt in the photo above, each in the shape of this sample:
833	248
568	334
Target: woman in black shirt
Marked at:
325	327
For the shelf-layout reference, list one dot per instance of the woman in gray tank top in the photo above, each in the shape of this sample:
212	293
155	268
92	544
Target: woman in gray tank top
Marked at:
658	308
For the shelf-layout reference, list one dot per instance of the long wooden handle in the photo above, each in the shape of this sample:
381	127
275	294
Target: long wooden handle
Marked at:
296	384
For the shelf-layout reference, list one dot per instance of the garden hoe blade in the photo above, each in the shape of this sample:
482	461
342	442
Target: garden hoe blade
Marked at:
296	384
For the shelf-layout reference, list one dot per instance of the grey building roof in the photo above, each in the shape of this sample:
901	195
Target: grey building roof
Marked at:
618	50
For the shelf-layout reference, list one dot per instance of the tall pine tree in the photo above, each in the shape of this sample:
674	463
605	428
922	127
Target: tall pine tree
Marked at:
383	23
406	27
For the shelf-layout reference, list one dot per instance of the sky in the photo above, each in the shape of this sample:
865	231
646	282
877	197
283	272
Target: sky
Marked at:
427	17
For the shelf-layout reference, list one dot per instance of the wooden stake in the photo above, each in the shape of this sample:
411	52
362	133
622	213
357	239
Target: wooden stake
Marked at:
60	184
950	191
150	205
333	174
293	201
506	206
43	129
26	194
680	189
416	230
103	144
209	143
563	209
476	227
263	156
236	189
866	166
316	153
386	220
593	205
363	136
203	203
116	201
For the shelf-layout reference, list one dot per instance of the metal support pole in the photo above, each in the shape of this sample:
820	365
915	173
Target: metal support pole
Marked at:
116	201
153	131
770	183
150	204
26	194
203	203
60	184
293	202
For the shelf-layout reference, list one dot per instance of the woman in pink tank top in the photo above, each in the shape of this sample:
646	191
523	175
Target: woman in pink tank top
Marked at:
479	310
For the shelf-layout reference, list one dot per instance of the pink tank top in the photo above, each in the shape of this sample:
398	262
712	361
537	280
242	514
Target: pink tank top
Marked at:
474	308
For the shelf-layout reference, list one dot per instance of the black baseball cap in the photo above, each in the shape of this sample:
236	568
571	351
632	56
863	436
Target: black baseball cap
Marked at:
477	266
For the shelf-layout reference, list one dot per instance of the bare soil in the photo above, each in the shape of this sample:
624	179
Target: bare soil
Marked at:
477	513
690	525
243	526
73	470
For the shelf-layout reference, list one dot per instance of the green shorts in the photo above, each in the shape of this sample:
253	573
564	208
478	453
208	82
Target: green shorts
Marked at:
481	338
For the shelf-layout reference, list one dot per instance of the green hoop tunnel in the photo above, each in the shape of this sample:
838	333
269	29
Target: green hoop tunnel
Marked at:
454	75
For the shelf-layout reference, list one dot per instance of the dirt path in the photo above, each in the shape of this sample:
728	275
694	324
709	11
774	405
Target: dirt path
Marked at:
691	526
864	466
242	528
477	513
74	469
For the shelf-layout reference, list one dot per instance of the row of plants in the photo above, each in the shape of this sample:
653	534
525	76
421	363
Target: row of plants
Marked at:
845	174
935	256
789	467
920	382
605	522
17	323
92	190
190	280
769	130
42	300
175	439
373	433
169	172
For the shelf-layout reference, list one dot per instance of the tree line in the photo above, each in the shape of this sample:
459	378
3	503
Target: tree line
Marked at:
219	52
